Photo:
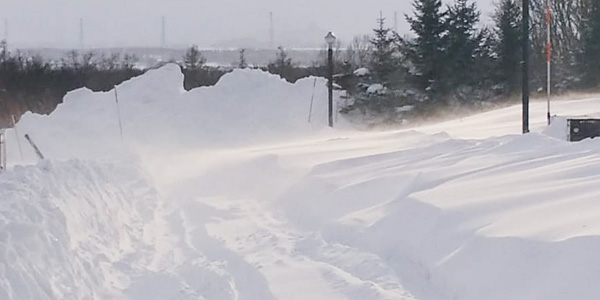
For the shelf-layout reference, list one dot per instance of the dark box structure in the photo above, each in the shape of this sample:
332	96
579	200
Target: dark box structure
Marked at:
580	129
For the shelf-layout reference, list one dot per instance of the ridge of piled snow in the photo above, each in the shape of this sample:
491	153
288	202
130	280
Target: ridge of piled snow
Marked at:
508	121
362	72
498	219
244	107
68	230
558	128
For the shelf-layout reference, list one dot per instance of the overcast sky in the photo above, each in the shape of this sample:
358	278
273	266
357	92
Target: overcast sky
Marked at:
208	23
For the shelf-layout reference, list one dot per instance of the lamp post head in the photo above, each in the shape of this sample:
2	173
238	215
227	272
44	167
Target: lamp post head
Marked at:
330	39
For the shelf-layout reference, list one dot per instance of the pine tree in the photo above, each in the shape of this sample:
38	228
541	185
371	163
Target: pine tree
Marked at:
590	61
242	63
195	75
426	51
383	62
462	43
193	59
507	29
4	55
283	65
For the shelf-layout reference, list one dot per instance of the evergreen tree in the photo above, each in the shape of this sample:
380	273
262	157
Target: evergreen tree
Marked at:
193	59
242	63
590	60
462	42
507	19
383	62
195	74
283	65
130	60
426	51
4	55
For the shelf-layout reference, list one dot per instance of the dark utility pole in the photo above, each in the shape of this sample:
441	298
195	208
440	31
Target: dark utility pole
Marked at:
525	66
330	39
271	31
81	36
163	33
330	63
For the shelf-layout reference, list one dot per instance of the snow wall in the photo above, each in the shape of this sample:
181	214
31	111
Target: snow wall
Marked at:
245	107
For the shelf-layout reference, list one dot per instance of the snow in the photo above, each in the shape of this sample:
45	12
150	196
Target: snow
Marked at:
376	88
405	108
228	192
362	72
558	128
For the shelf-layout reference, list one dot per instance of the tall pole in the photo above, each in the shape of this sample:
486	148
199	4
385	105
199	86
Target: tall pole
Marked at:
119	114
525	66
549	61
5	36
14	123
6	30
163	35
35	147
81	36
396	21
271	31
330	85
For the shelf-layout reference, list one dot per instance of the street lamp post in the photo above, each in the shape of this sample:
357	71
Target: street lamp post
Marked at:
330	39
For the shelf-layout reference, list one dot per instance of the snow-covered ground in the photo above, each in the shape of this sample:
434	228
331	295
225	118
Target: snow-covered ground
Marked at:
229	192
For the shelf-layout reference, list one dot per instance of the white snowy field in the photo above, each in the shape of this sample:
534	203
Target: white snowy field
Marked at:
228	192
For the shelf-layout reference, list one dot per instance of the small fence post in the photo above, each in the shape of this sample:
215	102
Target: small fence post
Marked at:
312	100
35	148
14	122
119	113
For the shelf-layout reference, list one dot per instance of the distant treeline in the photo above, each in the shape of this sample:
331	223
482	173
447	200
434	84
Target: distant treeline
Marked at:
28	83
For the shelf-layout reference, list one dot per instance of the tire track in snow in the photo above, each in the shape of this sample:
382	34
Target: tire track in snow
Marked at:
300	265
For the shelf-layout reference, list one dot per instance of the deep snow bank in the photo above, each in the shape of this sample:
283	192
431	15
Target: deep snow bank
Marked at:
507	121
245	107
505	218
73	230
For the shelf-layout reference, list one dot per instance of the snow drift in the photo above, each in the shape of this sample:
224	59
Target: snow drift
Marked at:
70	230
229	192
245	107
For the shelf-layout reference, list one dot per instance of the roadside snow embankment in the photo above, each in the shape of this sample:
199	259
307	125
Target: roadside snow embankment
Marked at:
504	218
73	230
245	107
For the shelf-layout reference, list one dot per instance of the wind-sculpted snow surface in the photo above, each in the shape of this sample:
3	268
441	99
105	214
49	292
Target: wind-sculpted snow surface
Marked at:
505	218
72	230
228	192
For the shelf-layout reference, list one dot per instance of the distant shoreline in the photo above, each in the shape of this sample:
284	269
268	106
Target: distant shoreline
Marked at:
215	56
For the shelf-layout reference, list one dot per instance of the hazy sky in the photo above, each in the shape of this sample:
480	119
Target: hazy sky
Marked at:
235	23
